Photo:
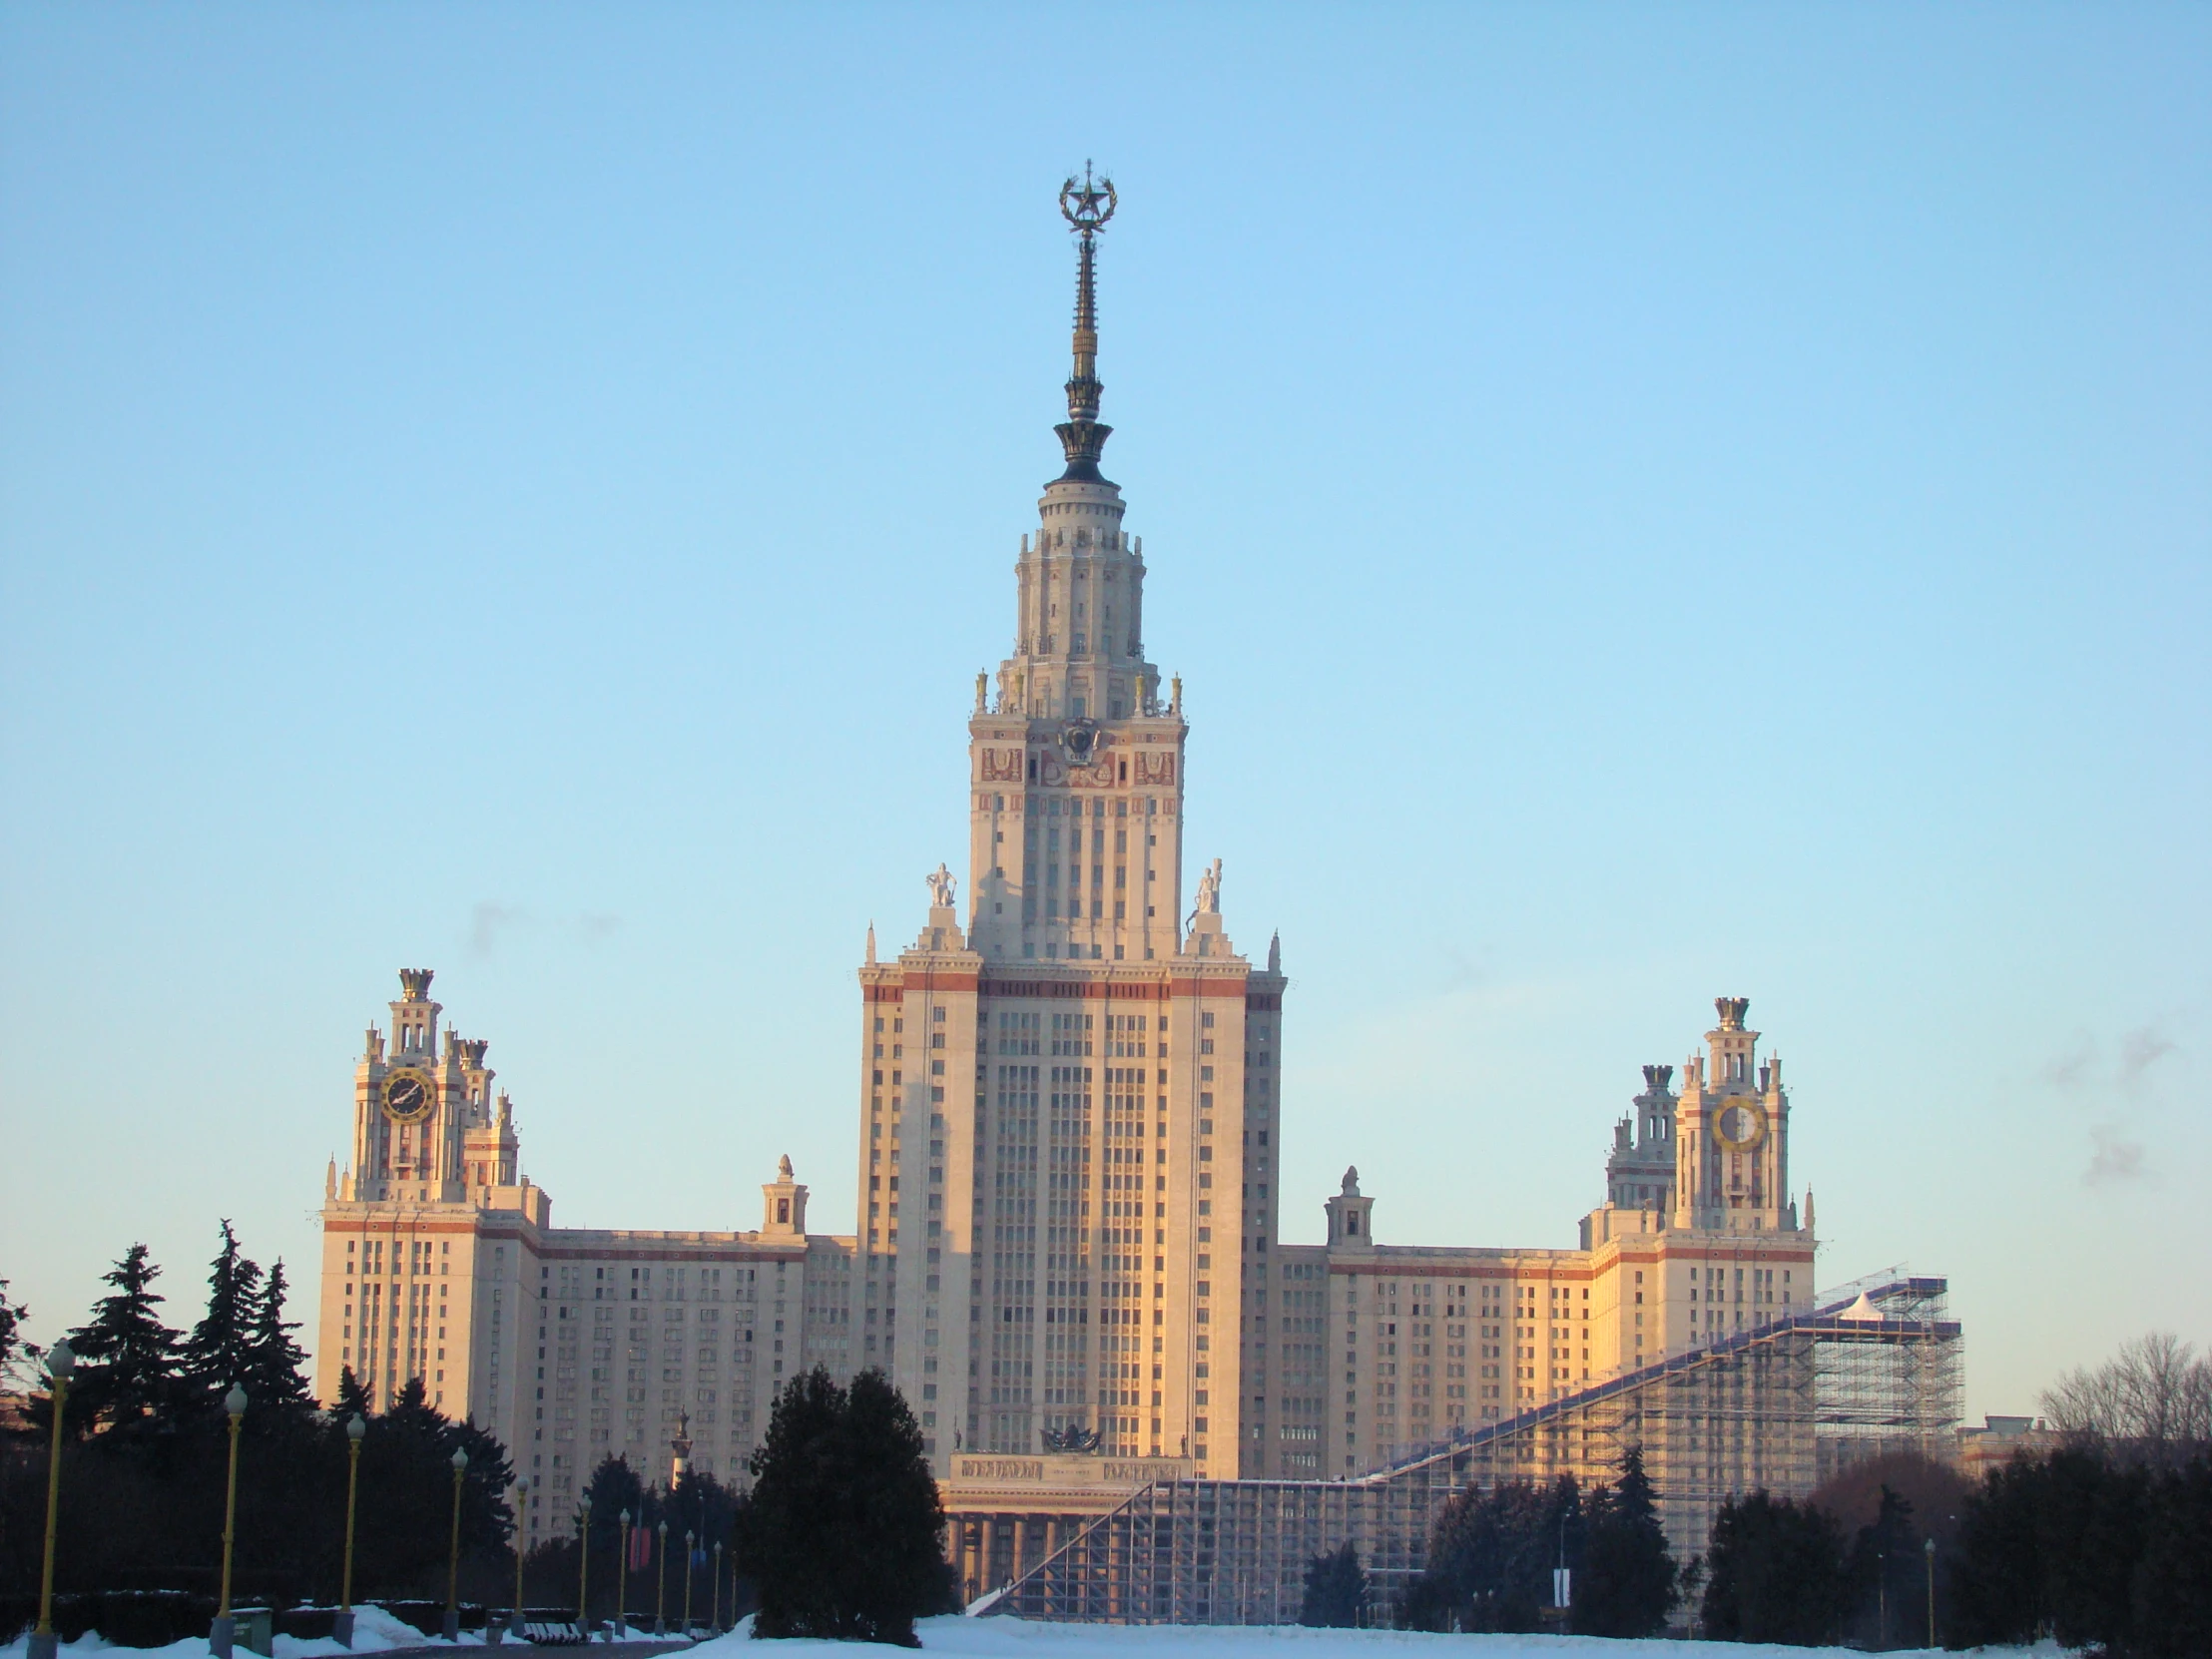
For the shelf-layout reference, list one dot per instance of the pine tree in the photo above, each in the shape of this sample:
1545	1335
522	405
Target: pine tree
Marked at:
412	1413
845	1529
1777	1573
128	1358
352	1400
1336	1590
1627	1582
216	1354
1886	1575
12	1316
1491	1556
273	1379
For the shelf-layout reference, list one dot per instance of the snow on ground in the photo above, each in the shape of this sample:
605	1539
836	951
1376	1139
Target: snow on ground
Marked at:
1011	1638
376	1631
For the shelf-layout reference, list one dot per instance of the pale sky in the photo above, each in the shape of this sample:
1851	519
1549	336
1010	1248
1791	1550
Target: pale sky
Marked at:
1647	504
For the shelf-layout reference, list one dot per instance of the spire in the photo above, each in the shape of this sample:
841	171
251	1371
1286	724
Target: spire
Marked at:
1086	206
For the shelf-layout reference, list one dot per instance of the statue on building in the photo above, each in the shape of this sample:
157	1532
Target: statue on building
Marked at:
1209	890
940	889
1074	1438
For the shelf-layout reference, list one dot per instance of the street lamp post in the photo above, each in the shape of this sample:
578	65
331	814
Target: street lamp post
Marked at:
61	1360
689	1543
622	1579
714	1623
342	1628
453	1558
1930	1549
583	1566
224	1629
522	1505
1881	1598
660	1591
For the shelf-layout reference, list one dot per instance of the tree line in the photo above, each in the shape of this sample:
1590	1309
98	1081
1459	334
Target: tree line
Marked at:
2103	1543
839	1532
146	1443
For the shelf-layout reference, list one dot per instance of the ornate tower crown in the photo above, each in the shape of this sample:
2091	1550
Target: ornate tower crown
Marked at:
414	983
1732	1010
1086	206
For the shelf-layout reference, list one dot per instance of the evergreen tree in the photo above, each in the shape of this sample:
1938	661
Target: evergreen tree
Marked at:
12	1316
615	1487
486	1517
844	1532
216	1354
1627	1582
406	1489
352	1400
1491	1556
1887	1578
1336	1589
272	1359
411	1414
2173	1579
1776	1573
128	1360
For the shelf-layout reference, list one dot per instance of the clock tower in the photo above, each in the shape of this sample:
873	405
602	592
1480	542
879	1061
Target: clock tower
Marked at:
1732	1133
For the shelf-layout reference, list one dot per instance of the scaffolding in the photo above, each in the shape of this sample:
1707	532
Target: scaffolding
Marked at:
1874	1369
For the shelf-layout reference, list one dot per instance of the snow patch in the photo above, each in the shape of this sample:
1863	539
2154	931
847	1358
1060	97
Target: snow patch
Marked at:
959	1637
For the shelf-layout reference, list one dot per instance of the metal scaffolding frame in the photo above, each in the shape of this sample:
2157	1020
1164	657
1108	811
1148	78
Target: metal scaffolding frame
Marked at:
1778	1406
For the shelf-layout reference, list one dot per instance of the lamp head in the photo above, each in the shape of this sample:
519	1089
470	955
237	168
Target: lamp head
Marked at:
663	1529
61	1360
234	1402
356	1425
585	1502
625	1517
687	1537
461	1461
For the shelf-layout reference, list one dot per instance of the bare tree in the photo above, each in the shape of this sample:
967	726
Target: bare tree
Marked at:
2151	1402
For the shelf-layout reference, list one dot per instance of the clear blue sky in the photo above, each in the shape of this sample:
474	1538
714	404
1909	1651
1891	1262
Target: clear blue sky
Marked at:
1646	503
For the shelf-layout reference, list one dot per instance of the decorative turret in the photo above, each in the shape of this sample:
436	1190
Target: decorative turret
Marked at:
1350	1216
1732	1121
784	1204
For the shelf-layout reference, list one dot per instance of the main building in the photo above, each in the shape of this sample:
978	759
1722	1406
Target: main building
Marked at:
1067	1248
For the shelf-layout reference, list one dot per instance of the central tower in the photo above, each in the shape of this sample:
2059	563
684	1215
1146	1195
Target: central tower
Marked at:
1069	1106
1095	873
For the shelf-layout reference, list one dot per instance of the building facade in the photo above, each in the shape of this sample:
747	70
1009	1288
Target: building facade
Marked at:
1067	1240
442	1263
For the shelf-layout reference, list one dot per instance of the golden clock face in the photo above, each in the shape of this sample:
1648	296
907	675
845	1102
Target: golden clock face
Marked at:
1740	1124
409	1095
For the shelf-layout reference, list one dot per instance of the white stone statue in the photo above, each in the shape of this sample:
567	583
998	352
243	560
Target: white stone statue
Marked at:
1209	890
940	889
